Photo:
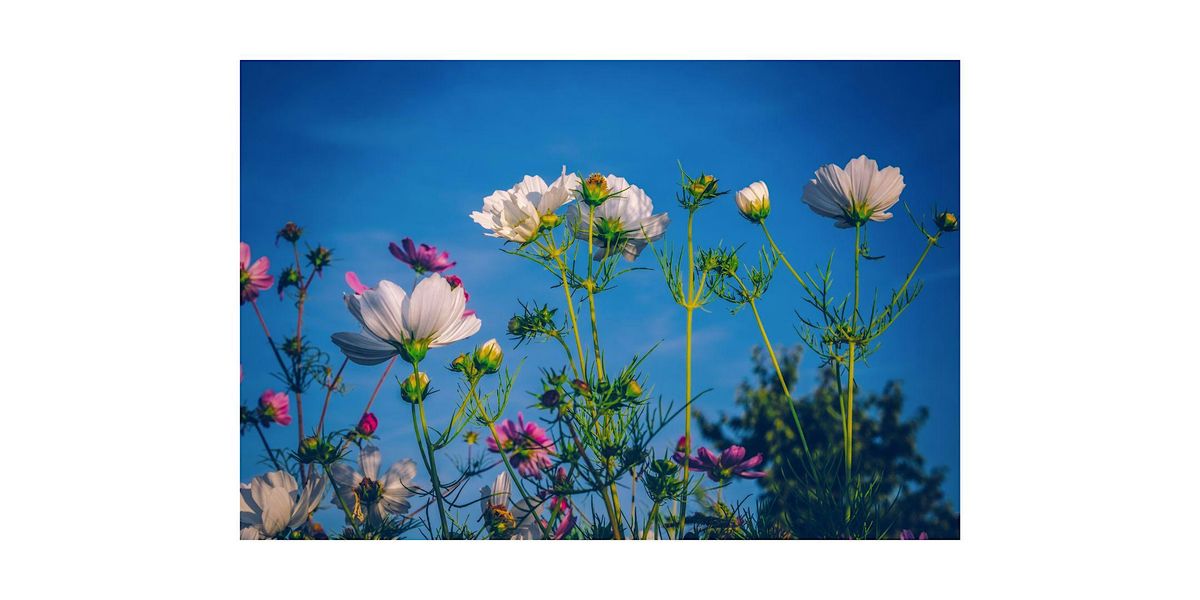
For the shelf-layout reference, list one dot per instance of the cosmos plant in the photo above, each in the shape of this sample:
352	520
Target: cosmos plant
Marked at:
588	457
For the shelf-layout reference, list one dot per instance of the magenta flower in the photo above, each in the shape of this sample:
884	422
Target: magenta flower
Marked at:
527	445
255	277
367	425
274	406
422	260
354	283
907	534
732	462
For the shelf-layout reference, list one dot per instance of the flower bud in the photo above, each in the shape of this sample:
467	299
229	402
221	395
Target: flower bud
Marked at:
581	386
703	187
754	202
488	356
367	425
413	388
946	221
471	438
549	399
595	189
316	450
462	364
632	389
550	221
414	351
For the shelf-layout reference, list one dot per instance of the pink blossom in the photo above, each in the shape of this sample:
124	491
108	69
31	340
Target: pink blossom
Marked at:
527	445
274	405
424	259
456	282
730	463
255	277
367	424
354	283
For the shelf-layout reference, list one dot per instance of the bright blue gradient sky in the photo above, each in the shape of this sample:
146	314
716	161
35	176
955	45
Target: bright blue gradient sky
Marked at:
363	153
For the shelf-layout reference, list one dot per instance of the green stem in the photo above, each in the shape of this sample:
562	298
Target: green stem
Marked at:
267	446
782	257
342	501
850	373
433	473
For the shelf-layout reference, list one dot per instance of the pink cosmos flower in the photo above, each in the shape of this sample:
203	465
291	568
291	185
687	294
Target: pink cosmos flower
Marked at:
425	259
907	534
354	283
367	424
527	445
275	406
255	277
732	462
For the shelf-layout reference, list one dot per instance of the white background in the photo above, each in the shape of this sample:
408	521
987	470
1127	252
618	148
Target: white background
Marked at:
119	190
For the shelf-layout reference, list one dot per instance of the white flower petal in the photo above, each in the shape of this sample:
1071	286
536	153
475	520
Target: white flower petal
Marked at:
369	459
364	348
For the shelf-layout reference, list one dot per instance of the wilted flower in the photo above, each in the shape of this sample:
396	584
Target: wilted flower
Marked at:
396	323
376	498
289	278
732	462
320	257
354	283
291	232
946	221
271	503
367	425
488	356
527	445
519	213
907	534
856	194
273	406
504	522
754	202
623	223
425	259
255	277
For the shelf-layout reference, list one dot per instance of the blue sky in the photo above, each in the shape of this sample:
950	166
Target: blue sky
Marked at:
363	153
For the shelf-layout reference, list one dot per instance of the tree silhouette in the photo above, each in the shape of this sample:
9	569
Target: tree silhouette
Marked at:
908	494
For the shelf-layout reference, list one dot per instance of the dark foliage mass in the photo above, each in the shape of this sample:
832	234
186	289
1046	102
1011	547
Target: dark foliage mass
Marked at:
906	493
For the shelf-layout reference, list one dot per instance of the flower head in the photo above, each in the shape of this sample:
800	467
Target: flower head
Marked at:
274	406
395	322
505	522
852	196
946	221
520	212
273	502
424	259
290	232
730	463
376	497
623	223
367	425
256	276
527	445
754	202
488	356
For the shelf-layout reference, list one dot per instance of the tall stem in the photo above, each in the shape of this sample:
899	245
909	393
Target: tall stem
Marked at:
783	257
286	371
267	446
690	308
562	269
433	473
591	291
851	357
328	393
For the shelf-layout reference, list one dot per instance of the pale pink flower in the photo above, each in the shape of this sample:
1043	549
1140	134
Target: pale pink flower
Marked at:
255	277
274	405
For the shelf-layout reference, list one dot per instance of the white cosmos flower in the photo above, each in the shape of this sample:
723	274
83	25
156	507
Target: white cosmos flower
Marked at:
270	503
377	497
432	316
520	519
517	214
754	201
856	194
627	214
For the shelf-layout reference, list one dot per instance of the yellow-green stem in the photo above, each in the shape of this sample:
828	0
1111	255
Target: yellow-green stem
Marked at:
433	473
504	457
